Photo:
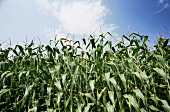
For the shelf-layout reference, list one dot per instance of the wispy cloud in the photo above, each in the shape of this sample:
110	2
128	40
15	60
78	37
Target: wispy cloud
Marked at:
45	6
78	17
163	6
161	1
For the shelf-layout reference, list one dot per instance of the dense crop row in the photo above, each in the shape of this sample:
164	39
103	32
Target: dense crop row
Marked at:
95	76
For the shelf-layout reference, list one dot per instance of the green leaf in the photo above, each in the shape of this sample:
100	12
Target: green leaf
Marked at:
31	44
162	86
58	68
109	107
165	43
113	49
109	34
19	76
153	108
88	95
110	63
86	109
126	37
59	94
15	52
102	36
64	78
107	76
93	43
160	72
33	96
105	43
110	44
137	75
6	53
167	57
76	43
26	89
58	85
123	79
143	75
92	84
84	41
132	100
101	93
48	99
111	96
145	38
143	110
61	43
165	105
140	95
9	74
68	100
4	91
155	99
79	105
30	51
113	81
21	49
56	50
88	45
6	72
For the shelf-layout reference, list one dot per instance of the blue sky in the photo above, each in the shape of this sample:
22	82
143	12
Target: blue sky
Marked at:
45	18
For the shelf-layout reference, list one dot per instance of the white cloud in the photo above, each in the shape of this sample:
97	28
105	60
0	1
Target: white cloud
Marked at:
45	6
81	17
165	6
161	1
78	17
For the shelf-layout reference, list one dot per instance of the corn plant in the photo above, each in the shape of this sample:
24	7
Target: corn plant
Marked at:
102	77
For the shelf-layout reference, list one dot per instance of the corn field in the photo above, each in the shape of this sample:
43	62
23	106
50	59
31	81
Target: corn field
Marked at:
93	75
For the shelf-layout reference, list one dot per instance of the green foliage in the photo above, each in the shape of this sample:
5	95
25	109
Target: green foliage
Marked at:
101	77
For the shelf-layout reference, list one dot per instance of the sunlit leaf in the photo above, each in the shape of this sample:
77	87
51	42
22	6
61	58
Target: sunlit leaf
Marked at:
153	108
114	82
60	94
109	107
160	72
123	79
58	85
132	100
165	105
86	109
111	96
140	95
92	84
